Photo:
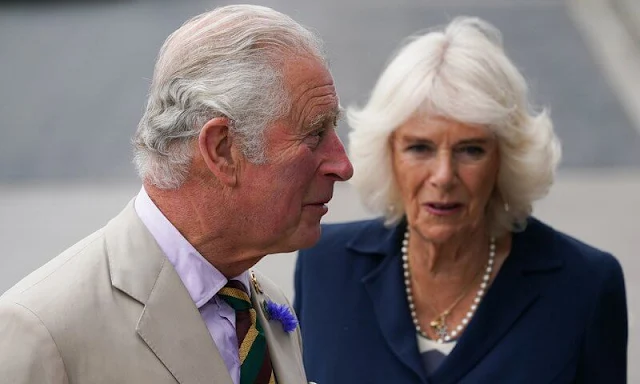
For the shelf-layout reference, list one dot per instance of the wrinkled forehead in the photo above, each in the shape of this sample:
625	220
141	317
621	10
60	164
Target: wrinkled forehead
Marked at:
310	87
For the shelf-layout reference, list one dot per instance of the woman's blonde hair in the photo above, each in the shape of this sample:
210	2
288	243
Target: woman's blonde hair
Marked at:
460	73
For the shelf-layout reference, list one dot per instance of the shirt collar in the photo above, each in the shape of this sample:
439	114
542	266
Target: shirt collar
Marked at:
200	277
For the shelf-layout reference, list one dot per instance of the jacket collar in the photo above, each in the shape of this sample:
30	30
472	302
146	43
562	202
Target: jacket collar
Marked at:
376	239
385	285
515	289
518	285
170	323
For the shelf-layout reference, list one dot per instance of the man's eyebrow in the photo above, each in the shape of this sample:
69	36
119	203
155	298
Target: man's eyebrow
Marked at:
320	120
339	114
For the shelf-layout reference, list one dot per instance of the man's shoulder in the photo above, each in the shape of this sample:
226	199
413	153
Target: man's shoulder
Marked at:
54	282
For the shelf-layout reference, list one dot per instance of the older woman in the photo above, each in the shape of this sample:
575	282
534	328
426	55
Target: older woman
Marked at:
457	283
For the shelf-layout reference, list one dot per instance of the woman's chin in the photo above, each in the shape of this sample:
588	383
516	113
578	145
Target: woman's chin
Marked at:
440	233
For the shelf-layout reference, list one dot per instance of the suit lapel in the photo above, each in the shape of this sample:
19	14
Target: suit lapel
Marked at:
284	348
518	285
170	323
385	286
174	330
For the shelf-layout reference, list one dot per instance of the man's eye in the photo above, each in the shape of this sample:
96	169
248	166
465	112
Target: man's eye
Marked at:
314	138
318	133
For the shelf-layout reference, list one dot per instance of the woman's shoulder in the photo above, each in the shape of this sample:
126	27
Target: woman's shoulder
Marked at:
353	228
340	236
569	250
344	250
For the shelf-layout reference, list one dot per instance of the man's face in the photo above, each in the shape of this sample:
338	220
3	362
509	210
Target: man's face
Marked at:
286	197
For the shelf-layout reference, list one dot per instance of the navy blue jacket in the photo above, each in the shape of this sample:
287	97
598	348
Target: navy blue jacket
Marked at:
556	313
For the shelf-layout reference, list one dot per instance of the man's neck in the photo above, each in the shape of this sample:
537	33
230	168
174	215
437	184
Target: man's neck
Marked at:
204	227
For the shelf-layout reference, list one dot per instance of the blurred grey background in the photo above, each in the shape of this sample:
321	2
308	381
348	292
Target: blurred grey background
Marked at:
74	77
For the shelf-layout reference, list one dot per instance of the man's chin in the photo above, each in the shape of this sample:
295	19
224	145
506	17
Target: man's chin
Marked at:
306	237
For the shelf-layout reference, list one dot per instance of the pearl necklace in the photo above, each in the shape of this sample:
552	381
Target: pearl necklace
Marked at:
439	324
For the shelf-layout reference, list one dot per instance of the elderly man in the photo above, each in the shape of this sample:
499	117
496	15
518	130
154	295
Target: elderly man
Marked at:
238	155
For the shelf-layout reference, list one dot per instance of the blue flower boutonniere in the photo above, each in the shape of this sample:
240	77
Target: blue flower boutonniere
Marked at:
281	313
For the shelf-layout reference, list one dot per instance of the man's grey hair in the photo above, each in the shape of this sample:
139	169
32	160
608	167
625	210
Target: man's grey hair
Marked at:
460	72
226	62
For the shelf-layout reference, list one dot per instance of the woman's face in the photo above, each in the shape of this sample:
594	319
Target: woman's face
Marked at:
446	172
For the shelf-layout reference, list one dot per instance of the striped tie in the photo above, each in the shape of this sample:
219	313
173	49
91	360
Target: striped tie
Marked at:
254	354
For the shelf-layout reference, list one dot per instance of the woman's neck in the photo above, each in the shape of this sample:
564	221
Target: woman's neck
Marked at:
456	259
445	277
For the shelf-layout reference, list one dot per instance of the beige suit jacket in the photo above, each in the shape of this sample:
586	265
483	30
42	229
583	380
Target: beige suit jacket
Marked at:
111	309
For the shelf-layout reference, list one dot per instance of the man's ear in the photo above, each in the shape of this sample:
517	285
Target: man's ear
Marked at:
215	144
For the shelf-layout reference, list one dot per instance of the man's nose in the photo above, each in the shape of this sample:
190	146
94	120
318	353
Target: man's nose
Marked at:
337	165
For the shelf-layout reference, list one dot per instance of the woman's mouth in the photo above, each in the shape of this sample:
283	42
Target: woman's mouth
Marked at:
443	209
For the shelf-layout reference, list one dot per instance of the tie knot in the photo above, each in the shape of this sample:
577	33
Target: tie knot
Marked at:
235	294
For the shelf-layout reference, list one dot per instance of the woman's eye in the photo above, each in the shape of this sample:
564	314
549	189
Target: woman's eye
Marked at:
419	148
472	151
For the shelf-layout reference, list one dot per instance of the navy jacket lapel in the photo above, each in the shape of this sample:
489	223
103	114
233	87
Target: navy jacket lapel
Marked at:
515	289
385	286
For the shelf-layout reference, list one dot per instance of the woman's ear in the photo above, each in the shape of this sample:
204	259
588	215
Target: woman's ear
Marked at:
215	144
